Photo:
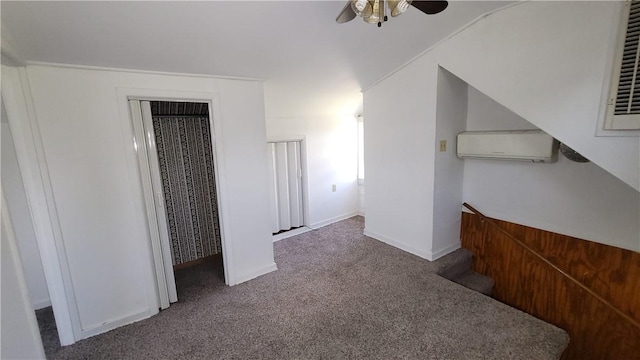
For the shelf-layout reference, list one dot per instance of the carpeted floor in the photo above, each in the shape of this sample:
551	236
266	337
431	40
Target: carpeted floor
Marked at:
336	294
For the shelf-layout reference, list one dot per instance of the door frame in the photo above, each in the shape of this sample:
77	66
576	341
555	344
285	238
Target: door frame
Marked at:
21	116
162	293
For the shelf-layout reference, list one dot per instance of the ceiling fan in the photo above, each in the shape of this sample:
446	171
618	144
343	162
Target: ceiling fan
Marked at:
375	11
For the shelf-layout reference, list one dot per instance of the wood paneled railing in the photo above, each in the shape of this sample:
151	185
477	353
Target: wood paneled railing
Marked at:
589	289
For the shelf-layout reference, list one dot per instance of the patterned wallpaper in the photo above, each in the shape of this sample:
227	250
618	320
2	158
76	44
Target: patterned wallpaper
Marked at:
186	167
162	108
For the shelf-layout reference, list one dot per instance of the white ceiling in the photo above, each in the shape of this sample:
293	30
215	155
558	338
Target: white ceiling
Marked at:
312	66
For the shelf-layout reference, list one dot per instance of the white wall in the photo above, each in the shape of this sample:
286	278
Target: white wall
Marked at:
19	334
451	119
331	159
575	199
549	62
545	61
22	225
483	113
92	166
399	150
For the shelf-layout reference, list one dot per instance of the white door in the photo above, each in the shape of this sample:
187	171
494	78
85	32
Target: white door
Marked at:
154	199
285	183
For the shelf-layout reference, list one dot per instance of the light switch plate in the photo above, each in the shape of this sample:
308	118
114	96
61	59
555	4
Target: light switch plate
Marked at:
443	145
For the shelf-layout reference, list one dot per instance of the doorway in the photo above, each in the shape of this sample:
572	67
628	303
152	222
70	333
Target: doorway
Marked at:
177	164
287	185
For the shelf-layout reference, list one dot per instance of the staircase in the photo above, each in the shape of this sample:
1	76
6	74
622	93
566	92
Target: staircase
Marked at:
457	268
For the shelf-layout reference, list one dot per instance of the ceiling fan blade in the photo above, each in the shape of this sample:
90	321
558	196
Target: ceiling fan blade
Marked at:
347	14
430	7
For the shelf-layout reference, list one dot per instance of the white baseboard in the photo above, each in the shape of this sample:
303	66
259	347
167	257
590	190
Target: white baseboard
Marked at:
291	233
333	220
397	244
141	315
254	274
435	255
41	304
116	323
428	255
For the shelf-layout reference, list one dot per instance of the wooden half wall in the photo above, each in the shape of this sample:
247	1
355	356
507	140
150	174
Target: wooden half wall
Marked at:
526	283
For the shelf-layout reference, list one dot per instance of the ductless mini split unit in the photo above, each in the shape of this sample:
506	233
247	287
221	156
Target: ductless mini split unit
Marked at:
522	145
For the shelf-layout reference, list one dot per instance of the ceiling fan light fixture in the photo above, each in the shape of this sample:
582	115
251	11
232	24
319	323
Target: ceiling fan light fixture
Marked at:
376	11
362	7
398	7
374	16
372	19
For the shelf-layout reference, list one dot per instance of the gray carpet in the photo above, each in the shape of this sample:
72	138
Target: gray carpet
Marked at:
337	294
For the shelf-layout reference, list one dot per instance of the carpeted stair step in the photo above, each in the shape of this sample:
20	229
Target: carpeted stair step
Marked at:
457	268
455	264
475	281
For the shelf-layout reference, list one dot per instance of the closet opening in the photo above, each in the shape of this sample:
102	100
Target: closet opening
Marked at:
178	169
287	184
185	158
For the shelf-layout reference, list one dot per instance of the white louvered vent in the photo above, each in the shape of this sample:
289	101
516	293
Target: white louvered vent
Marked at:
624	104
628	99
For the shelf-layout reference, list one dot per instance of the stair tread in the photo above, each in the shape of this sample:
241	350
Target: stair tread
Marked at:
454	264
475	281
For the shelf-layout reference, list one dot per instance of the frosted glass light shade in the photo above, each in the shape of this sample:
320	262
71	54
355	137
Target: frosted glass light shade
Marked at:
398	7
374	17
362	7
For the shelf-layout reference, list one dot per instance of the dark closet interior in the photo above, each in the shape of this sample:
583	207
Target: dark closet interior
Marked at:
185	159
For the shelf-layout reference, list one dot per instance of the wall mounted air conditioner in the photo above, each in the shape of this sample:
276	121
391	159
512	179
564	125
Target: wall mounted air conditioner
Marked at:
522	145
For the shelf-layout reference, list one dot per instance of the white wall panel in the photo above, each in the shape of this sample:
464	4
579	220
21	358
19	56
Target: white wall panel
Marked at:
20	337
451	119
399	155
92	164
22	224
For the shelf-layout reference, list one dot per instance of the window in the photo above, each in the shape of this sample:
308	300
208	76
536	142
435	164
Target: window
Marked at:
623	107
360	150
